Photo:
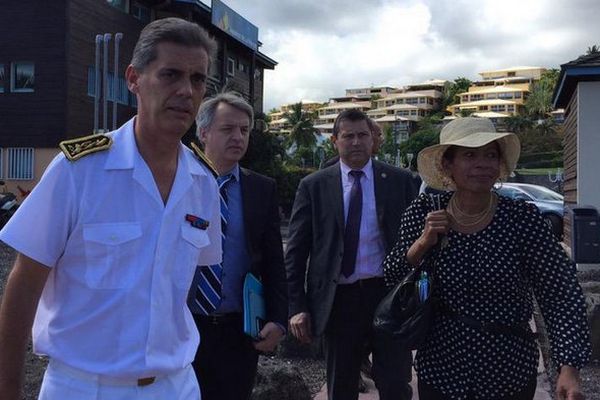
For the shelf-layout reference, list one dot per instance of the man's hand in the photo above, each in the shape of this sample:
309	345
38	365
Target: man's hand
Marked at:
300	327
567	384
21	296
270	336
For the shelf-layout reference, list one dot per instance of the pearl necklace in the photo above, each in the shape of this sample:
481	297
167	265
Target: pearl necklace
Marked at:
472	221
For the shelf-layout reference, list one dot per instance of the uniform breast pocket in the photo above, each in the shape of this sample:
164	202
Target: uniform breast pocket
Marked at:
111	250
190	245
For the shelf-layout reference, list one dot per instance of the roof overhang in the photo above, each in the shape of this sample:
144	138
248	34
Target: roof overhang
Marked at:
569	78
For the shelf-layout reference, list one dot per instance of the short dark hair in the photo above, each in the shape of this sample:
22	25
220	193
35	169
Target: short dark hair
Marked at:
173	30
353	115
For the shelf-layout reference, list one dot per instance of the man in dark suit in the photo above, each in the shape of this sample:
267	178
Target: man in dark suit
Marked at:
226	360
344	220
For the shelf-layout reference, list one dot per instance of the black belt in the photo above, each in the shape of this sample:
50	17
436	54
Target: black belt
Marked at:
490	327
220	319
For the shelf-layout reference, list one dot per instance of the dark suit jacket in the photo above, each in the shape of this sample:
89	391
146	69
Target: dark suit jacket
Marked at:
263	240
317	234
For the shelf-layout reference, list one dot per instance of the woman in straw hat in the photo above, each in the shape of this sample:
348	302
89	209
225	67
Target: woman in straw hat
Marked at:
494	253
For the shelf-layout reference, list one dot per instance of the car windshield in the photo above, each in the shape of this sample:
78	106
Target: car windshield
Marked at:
542	193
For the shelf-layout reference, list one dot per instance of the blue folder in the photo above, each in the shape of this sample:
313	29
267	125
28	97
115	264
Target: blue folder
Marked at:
254	306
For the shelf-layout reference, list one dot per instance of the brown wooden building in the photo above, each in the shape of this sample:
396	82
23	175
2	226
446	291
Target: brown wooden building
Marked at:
578	92
47	71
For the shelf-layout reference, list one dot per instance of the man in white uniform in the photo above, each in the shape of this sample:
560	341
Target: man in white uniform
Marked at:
109	240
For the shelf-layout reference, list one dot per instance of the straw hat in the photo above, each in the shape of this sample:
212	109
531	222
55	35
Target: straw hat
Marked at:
466	132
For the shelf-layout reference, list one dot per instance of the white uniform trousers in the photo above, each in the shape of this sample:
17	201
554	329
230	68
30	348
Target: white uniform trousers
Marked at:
64	382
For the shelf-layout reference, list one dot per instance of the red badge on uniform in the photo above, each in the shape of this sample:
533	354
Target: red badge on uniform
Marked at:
196	222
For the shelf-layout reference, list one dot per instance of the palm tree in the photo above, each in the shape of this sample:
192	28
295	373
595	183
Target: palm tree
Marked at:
594	49
301	127
539	102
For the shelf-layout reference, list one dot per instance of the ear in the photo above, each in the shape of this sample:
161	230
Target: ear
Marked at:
202	135
333	140
132	76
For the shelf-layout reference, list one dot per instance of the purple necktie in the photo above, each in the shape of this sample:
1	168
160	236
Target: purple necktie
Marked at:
352	231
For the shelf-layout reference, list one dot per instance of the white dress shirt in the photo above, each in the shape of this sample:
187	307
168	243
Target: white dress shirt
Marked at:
122	261
371	249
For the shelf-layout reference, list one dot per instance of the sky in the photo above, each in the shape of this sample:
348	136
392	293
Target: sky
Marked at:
323	47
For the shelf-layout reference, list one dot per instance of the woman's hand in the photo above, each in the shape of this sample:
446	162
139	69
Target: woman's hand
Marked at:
437	223
567	384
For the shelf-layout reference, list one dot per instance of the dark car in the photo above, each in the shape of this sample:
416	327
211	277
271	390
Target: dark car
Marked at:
549	202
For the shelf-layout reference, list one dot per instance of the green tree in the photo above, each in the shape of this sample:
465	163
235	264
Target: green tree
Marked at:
329	150
389	145
427	134
594	49
265	151
539	101
518	123
459	85
301	127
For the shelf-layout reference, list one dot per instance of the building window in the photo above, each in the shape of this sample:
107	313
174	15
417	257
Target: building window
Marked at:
122	90
517	95
119	4
1	78
22	77
141	12
230	66
20	163
243	67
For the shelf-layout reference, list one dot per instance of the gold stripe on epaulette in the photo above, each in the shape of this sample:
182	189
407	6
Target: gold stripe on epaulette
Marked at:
203	159
76	148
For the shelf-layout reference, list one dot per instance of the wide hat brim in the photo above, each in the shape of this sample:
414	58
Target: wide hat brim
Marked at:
429	161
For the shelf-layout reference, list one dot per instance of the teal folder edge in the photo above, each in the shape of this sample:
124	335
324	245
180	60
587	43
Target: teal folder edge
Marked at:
254	306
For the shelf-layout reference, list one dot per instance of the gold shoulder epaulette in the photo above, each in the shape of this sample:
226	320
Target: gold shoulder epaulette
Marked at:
203	159
76	148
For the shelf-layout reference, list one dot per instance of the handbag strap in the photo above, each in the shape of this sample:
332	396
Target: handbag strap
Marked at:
490	327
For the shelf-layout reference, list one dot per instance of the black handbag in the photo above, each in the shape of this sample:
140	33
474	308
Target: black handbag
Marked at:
407	312
405	315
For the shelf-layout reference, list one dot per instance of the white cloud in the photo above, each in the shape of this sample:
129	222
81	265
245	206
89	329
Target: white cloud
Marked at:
326	46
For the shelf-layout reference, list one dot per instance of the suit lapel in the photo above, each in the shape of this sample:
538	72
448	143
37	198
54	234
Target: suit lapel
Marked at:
379	181
247	201
334	187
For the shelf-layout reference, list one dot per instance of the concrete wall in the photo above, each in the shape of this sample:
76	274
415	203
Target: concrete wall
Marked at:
42	157
588	143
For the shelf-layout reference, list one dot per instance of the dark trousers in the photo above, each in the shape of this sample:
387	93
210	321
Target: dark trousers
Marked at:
226	361
428	392
348	329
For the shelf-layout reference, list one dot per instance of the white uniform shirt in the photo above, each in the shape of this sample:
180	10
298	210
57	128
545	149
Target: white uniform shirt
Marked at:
122	261
371	250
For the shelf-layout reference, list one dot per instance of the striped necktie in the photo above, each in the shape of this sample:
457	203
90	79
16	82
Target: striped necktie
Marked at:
208	288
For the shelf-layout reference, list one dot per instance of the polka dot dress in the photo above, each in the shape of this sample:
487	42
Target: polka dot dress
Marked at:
491	276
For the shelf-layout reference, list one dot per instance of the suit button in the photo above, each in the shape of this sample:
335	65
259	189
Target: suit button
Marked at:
334	281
